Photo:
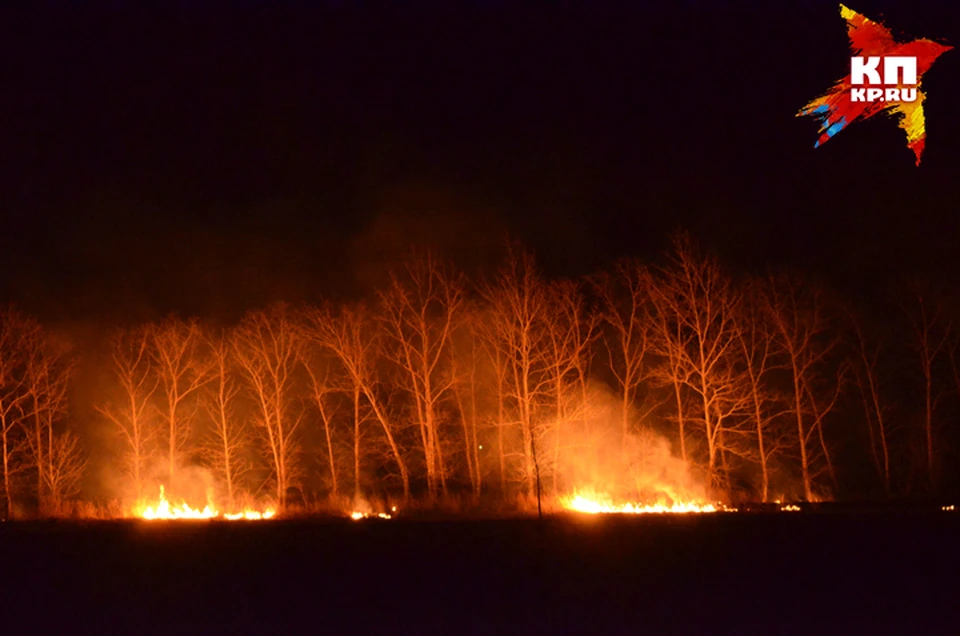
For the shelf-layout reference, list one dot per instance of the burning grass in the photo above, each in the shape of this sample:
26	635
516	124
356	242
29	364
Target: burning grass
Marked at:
164	510
589	502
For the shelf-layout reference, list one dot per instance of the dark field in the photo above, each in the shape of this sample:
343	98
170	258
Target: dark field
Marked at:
822	572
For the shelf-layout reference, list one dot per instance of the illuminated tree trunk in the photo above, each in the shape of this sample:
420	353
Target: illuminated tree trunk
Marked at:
182	372
5	431
711	432
20	340
806	337
328	434
558	428
501	417
756	340
801	433
421	309
385	424
468	440
764	471
626	311
229	438
475	441
526	416
356	442
320	388
882	467
351	338
683	438
268	349
826	456
228	473
518	330
138	438
133	369
67	466
696	305
465	383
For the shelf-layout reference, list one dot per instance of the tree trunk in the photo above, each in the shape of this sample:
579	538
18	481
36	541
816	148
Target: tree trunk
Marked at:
6	474
228	474
683	443
826	455
501	415
41	496
758	415
559	428
801	436
404	473
329	436
478	484
867	411
356	442
173	446
468	441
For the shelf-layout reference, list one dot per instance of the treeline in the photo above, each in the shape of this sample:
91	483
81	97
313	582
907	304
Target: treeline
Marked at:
756	387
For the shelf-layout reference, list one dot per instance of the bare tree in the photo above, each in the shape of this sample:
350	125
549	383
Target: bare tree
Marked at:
822	402
18	335
669	341
226	444
874	406
518	302
351	337
465	360
266	348
756	338
131	411
182	370
626	311
322	387
421	309
47	378
697	304
805	336
66	464
488	336
571	332
931	330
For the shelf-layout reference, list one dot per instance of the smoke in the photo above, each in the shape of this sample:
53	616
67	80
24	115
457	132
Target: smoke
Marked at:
638	465
190	483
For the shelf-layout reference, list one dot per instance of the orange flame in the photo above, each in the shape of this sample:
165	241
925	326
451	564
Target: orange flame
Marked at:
594	503
356	516
164	510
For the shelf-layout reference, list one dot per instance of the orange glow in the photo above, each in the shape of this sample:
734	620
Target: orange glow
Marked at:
164	510
594	503
366	515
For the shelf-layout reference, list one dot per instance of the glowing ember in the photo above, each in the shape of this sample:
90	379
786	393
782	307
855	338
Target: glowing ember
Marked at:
366	515
948	508
790	508
596	504
164	510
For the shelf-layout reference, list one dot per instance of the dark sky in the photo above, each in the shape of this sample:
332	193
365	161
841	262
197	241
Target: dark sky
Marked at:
210	159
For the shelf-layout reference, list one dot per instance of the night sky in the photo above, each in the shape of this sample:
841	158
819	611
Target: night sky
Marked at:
207	160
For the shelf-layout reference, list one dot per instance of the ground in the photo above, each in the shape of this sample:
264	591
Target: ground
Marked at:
891	572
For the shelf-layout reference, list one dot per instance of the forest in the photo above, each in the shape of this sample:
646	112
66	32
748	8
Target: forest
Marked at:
671	380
